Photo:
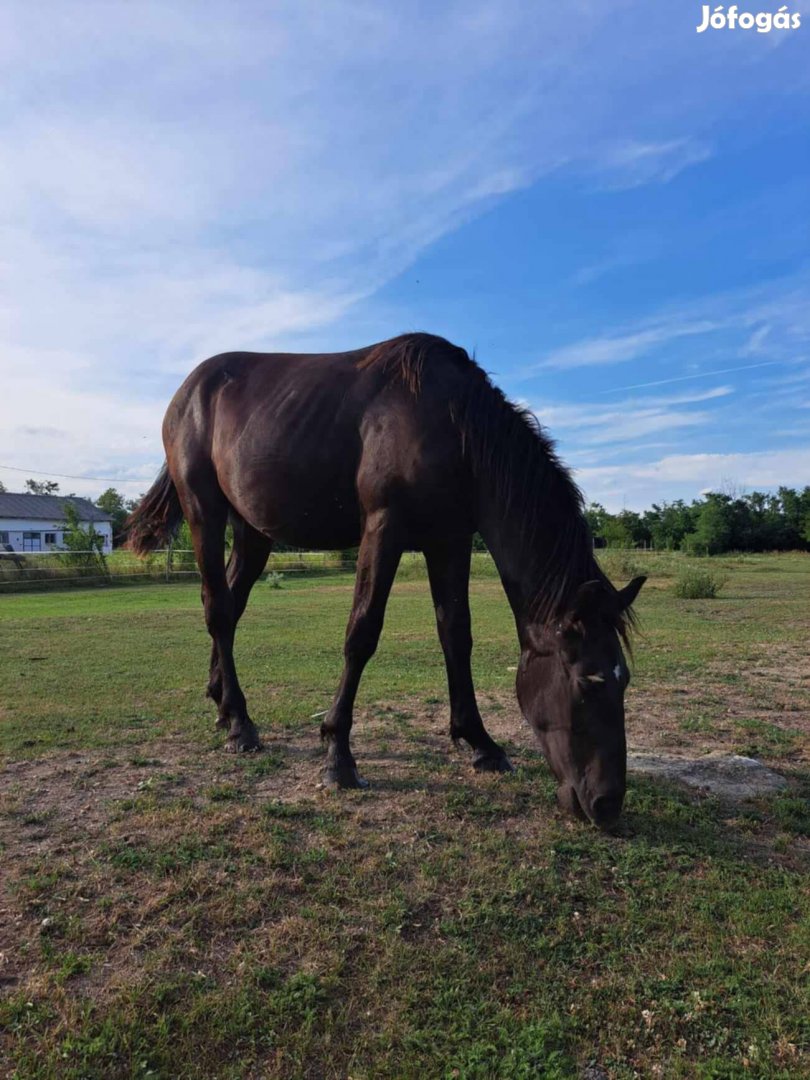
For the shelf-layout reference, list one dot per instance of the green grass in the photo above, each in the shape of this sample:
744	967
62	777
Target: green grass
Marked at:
170	911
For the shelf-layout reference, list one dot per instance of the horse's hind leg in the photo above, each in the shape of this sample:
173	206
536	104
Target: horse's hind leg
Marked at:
247	560
207	514
377	561
449	572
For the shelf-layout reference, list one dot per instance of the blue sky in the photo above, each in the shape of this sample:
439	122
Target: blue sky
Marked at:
611	210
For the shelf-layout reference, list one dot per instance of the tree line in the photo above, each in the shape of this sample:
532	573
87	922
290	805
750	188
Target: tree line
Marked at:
717	522
713	524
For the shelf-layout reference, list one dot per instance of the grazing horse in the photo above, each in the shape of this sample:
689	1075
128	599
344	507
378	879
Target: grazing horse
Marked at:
402	445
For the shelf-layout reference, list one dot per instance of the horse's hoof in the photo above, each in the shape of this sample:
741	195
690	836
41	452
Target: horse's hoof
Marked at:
244	742
492	763
344	777
242	746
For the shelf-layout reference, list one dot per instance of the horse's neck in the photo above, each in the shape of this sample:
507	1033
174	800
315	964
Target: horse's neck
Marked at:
520	556
504	540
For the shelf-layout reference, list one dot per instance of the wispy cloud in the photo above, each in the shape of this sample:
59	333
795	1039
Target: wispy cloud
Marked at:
790	380
769	320
756	344
688	378
631	164
584	424
623	347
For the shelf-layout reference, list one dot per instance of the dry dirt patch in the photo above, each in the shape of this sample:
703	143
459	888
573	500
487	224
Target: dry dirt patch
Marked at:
50	804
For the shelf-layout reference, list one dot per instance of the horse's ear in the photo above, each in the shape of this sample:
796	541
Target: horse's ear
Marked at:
628	594
589	600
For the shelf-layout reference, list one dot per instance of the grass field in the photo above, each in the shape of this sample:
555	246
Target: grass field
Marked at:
170	911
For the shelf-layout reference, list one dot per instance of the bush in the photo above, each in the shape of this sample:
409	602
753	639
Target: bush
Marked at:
692	584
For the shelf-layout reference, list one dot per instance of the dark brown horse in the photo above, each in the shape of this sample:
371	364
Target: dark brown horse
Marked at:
403	445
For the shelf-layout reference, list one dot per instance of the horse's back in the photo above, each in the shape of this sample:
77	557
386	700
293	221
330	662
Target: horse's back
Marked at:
304	446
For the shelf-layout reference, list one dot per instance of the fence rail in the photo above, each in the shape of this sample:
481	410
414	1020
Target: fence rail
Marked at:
24	571
58	569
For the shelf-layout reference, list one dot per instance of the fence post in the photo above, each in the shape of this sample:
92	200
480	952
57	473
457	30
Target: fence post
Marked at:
169	561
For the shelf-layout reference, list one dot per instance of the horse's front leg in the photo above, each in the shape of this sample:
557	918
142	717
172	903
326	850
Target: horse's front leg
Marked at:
449	572
377	561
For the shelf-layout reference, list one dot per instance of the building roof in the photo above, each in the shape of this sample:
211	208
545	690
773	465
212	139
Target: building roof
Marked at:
47	507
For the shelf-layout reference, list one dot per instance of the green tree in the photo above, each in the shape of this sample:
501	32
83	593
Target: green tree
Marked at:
635	527
714	529
596	516
42	487
669	523
625	529
83	547
112	502
616	532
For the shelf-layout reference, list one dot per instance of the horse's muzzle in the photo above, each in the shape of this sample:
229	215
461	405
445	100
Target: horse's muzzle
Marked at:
603	811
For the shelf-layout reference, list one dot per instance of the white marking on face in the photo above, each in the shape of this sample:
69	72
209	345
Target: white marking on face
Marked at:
617	672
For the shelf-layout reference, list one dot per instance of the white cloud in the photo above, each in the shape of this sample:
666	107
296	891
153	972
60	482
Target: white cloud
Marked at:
755	346
586	414
681	475
623	347
585	424
781	305
631	164
193	180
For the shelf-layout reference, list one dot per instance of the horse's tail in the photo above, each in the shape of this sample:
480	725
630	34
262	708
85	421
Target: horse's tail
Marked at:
156	518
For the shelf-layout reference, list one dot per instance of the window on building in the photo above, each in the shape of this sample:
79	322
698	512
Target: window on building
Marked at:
50	538
3	537
32	541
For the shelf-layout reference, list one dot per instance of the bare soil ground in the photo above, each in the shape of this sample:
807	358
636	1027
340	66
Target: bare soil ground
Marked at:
62	807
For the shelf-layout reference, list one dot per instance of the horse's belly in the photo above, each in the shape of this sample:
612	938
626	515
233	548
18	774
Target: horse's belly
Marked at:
306	508
330	525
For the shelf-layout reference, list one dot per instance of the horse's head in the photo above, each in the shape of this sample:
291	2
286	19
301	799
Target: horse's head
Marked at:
570	684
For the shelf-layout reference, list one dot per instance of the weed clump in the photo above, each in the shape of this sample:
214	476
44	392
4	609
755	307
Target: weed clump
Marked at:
697	584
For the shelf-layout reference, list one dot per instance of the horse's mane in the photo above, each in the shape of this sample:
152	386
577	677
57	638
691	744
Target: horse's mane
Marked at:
509	450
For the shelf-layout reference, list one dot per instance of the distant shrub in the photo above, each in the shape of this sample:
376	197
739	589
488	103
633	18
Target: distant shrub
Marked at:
275	580
696	584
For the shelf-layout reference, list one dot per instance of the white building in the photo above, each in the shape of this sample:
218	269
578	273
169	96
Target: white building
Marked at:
37	522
